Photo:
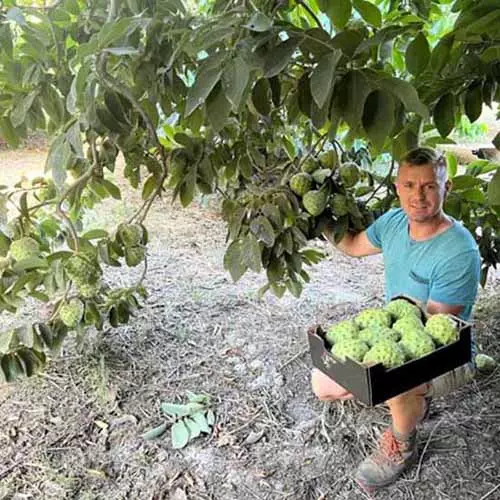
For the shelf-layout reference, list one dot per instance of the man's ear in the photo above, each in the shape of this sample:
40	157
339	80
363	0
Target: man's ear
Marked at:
448	185
396	186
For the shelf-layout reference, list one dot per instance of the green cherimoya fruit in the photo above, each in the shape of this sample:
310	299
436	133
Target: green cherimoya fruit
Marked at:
328	159
442	329
372	335
130	234
24	248
485	363
346	329
81	270
315	201
355	349
339	205
408	323
301	183
321	175
88	290
416	343
71	313
310	166
134	255
373	317
401	307
349	174
387	352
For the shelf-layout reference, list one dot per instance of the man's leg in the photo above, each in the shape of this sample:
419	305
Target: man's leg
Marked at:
397	449
326	389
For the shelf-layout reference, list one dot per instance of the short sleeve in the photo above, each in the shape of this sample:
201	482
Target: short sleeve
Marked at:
377	231
457	280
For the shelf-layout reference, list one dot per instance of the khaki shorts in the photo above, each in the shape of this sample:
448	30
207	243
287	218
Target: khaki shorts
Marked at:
450	381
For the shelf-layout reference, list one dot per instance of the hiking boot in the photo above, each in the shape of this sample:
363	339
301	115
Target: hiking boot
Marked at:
388	462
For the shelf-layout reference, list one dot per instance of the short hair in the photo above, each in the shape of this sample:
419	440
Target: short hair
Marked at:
426	156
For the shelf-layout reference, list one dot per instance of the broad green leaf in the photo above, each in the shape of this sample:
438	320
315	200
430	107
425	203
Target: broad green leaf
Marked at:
263	230
95	234
259	22
235	80
30	263
218	108
193	427
188	188
452	163
111	188
295	287
18	114
196	398
417	54
348	41
354	89
180	435
444	114
339	11
369	12
474	101
149	186
201	420
58	159
261	98
233	260
122	51
6	39
494	190
6	339
251	253
8	133
474	195
206	80
176	410
406	93
279	57
441	53
156	432
460	182
379	116
115	30
323	77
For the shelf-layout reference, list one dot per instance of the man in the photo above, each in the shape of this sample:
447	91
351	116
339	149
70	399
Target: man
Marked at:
432	258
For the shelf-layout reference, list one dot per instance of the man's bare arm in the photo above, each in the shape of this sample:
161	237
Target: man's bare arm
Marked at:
354	245
439	307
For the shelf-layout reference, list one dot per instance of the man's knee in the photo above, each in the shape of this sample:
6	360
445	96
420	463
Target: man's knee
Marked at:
417	392
327	389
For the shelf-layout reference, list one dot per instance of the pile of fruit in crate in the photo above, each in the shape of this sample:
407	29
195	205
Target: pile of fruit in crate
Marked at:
391	336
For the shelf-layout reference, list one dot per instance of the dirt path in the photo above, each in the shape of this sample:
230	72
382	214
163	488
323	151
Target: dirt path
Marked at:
75	432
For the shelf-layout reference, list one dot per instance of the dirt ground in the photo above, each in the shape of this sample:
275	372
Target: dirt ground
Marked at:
75	431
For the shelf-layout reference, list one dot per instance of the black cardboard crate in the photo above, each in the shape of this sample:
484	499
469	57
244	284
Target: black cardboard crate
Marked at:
374	384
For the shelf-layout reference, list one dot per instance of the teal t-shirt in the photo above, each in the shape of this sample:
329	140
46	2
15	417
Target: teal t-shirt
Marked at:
445	268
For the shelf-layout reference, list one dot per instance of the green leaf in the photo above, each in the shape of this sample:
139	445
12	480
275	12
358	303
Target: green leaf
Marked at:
218	108
115	30
201	420
210	417
206	80
406	93
58	159
156	432
193	427
474	101
496	141
460	182
444	114
18	114
30	263
176	410
263	230
180	435
474	195
441	53
261	98
294	287
369	12
111	188
95	234
323	77
251	253
354	90
339	11
235	80
149	187
379	116
452	163
122	51
259	22
188	188
417	54
279	57
6	338
6	39
8	133
233	260
494	190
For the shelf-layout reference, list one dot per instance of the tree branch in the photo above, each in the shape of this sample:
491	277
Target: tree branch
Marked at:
310	11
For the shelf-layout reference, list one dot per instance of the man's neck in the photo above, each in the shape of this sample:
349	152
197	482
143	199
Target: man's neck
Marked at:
420	231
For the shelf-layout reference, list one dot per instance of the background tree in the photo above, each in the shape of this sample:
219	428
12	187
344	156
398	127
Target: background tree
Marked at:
281	108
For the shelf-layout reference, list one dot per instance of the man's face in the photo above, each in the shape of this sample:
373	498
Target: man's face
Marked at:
421	191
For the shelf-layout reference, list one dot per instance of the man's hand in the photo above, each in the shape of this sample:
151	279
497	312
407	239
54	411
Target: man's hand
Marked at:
354	245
